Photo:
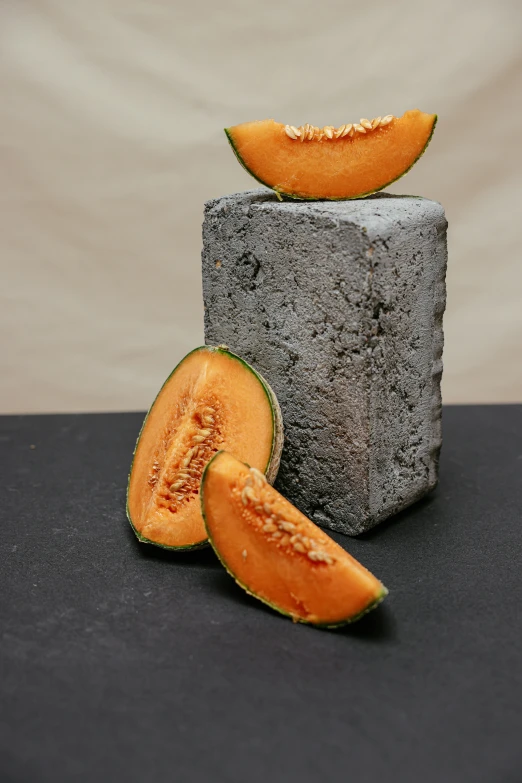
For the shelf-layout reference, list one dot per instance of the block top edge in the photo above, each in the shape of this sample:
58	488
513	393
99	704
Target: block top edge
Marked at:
380	205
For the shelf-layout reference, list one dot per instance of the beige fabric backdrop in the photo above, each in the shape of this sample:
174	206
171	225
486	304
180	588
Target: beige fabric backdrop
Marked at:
111	117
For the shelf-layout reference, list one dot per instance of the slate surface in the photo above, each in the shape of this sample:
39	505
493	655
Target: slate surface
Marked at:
122	662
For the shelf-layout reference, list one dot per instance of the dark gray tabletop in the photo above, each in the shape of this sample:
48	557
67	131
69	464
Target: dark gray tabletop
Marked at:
122	662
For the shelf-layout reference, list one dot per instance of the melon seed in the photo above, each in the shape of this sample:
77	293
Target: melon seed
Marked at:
248	494
186	459
320	557
260	477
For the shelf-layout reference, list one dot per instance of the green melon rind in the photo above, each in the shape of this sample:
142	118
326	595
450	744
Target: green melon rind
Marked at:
346	621
279	193
275	454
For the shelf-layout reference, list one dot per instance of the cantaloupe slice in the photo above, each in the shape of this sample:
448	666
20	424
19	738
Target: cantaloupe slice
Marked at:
212	400
278	555
351	161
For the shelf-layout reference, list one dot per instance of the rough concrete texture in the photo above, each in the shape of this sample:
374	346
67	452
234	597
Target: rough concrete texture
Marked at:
339	305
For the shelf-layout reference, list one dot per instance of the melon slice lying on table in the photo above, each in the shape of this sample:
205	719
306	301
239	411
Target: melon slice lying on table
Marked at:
278	555
351	161
212	400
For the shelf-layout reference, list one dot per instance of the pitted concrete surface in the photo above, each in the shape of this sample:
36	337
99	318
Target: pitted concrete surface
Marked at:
339	305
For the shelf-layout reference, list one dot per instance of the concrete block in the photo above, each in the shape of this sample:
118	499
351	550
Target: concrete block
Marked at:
339	305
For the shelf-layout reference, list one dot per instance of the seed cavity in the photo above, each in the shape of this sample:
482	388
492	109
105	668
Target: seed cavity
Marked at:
180	477
281	532
153	476
309	132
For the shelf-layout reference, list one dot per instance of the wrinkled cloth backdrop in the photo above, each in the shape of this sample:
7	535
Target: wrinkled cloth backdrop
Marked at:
111	118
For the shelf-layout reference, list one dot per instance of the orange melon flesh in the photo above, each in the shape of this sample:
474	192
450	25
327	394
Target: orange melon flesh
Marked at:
278	555
340	168
212	392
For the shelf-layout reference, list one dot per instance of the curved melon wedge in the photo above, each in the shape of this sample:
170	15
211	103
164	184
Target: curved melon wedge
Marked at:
212	400
332	163
278	555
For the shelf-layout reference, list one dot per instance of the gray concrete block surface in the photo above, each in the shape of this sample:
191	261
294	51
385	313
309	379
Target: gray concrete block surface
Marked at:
339	305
